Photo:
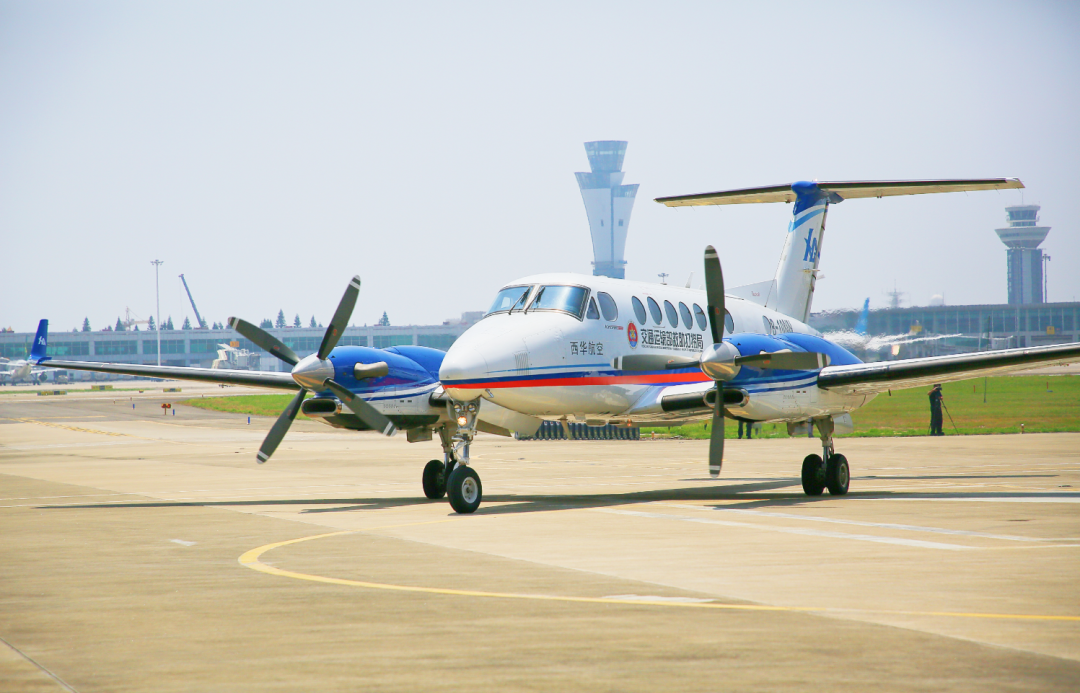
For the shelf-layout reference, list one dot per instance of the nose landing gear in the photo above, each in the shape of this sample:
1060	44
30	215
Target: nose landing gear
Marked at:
454	478
828	470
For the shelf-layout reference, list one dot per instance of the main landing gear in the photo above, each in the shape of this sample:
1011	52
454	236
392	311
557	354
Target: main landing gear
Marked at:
827	470
453	477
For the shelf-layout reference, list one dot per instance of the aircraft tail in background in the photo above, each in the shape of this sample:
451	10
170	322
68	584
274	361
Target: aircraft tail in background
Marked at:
41	341
864	317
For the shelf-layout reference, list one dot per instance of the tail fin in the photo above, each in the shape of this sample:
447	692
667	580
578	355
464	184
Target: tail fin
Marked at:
796	274
792	290
864	316
41	341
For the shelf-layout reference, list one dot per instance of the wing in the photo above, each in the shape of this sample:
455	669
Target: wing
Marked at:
867	378
846	190
277	381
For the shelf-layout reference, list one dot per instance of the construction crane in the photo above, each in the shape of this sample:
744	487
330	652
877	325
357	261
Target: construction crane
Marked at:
198	318
130	322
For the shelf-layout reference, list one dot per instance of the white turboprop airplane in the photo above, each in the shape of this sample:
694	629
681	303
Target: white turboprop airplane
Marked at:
569	346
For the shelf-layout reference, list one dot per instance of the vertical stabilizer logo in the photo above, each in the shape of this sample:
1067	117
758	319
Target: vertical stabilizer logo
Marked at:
631	334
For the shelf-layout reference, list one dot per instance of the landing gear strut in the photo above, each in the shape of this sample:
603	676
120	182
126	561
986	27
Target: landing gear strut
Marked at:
463	488
828	470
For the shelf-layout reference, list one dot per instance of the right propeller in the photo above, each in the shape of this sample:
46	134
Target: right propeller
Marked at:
316	372
714	294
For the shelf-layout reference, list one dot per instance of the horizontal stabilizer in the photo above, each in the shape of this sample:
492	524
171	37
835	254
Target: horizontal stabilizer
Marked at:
845	190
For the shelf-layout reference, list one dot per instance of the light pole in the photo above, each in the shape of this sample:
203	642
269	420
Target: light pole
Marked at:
663	277
157	301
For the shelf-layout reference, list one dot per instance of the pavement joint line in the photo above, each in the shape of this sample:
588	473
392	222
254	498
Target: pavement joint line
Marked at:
91	430
43	668
250	559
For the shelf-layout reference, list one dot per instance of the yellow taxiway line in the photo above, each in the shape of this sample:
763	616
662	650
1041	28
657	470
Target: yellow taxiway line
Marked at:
251	560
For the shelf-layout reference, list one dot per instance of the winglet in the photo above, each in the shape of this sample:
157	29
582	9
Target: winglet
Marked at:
41	342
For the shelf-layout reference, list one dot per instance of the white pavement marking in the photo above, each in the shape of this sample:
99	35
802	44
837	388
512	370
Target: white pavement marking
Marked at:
1072	498
794	530
182	542
882	525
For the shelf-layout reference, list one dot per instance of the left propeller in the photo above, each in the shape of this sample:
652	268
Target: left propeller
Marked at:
315	372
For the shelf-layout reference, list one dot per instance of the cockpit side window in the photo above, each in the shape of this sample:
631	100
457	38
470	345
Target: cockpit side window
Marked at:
672	314
639	310
592	313
654	310
510	298
608	307
568	299
699	314
729	324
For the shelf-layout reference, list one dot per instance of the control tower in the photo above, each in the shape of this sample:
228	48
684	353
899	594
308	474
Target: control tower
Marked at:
1023	237
608	203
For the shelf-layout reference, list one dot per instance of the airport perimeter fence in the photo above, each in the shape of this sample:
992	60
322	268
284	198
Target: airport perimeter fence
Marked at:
553	430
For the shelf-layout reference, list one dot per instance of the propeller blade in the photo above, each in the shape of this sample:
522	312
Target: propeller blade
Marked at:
341	318
714	293
367	413
280	427
716	435
652	362
786	361
264	339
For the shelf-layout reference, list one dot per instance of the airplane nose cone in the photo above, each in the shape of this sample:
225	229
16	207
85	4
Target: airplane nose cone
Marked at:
312	373
462	364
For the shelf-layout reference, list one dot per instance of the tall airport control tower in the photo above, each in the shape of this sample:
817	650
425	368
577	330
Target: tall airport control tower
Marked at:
608	204
1023	237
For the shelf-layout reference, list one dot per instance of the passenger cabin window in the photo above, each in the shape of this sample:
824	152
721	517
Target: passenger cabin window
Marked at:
639	310
592	313
699	314
672	314
510	298
654	309
729	324
685	313
608	307
568	299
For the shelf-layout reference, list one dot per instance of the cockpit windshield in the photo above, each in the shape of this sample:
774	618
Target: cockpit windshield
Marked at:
510	298
569	299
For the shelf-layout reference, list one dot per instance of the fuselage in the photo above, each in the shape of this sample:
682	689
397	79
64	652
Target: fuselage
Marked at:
547	348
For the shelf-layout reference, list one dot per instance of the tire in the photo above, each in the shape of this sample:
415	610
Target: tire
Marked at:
464	490
837	475
813	475
434	480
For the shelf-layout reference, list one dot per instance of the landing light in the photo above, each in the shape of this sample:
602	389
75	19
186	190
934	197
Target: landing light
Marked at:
461	421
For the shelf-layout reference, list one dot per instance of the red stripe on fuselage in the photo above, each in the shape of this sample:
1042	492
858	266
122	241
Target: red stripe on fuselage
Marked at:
673	378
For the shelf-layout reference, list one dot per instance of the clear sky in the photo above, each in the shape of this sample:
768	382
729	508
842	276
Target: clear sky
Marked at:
272	150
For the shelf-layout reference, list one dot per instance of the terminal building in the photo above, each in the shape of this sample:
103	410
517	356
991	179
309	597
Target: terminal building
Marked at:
199	348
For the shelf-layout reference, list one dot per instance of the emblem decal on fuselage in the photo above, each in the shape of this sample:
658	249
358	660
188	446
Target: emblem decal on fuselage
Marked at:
631	334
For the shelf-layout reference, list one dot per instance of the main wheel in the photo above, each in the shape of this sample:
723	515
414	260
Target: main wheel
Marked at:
464	490
837	475
813	475
434	480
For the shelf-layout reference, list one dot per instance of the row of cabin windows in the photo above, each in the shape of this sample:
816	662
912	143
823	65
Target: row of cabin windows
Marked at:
571	299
